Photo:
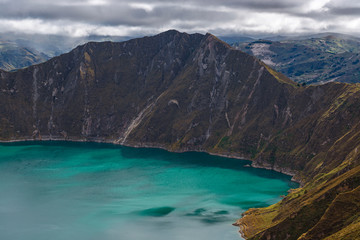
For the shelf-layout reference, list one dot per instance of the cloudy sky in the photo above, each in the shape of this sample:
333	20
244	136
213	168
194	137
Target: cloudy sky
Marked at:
143	17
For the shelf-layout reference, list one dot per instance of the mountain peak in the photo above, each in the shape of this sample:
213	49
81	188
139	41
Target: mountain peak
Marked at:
171	32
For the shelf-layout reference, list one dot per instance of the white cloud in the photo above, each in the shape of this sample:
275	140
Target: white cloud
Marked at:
146	6
318	5
140	17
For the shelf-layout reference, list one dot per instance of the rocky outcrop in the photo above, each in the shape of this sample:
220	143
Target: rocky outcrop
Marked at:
190	92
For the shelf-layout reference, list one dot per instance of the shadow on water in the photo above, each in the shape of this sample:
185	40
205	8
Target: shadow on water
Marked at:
209	217
194	159
156	212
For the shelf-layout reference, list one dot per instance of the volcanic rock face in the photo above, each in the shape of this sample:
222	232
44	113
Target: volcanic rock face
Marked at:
119	91
190	92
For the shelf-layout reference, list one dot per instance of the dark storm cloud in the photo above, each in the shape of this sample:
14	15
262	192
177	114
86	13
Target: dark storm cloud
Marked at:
110	14
355	11
120	12
231	16
245	4
259	5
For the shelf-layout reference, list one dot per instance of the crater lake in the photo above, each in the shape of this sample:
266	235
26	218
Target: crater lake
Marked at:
69	190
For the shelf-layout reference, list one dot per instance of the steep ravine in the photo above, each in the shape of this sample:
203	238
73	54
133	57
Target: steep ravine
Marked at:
186	92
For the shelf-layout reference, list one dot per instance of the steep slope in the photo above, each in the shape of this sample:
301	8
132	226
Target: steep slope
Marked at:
194	92
314	60
13	56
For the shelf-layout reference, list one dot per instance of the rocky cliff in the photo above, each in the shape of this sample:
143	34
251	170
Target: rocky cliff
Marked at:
194	92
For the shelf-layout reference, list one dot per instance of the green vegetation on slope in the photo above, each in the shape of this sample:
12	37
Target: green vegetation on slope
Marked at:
312	212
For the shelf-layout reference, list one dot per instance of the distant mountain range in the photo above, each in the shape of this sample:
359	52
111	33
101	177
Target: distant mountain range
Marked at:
23	50
193	92
13	56
312	60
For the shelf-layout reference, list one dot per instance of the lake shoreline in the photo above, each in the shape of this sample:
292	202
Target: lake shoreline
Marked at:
253	164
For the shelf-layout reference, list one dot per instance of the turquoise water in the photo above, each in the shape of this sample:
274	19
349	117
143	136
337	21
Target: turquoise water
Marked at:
98	191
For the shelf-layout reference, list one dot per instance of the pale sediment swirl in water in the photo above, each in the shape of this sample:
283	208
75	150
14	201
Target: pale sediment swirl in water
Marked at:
97	191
